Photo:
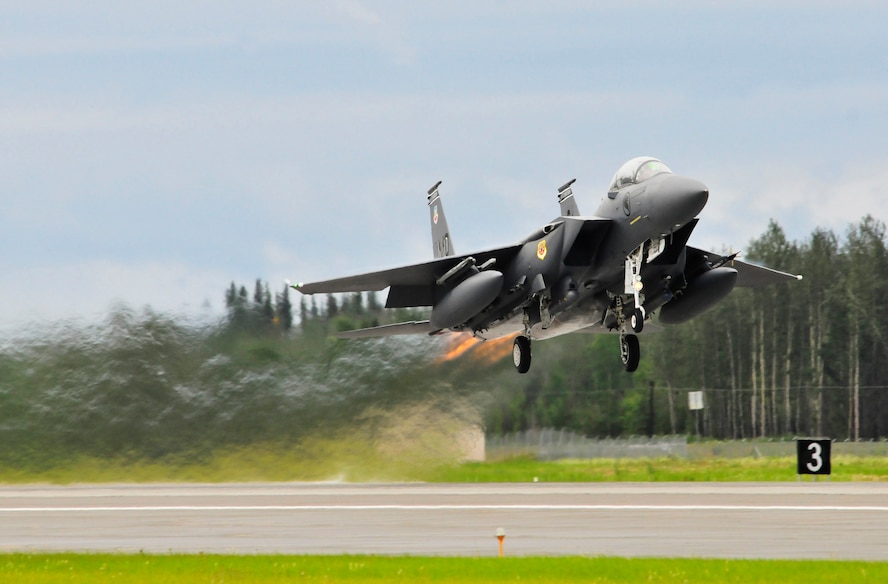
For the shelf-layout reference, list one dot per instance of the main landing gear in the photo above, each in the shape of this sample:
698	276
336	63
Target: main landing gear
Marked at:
630	352
521	354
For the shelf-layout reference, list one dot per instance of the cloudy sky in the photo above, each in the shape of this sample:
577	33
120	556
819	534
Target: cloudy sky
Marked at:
152	152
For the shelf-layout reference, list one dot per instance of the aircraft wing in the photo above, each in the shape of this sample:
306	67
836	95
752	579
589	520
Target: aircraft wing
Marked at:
749	275
415	275
410	285
414	327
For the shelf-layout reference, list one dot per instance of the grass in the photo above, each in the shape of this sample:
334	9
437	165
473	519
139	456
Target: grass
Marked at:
527	469
174	569
360	461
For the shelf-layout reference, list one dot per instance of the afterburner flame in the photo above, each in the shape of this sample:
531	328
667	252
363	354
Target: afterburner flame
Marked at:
459	344
487	352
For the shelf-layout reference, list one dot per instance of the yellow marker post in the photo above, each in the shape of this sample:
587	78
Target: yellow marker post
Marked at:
501	536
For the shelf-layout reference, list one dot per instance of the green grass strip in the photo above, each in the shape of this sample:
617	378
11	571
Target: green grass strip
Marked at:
175	569
773	469
355	463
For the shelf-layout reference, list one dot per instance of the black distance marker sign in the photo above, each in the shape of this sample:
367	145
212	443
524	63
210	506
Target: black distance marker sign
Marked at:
813	456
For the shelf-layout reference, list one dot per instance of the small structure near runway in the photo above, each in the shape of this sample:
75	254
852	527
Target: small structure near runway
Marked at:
813	456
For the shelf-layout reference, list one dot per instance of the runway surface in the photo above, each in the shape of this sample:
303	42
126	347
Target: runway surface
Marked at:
729	520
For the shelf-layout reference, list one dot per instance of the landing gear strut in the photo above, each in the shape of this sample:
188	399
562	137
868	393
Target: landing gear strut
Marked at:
630	352
521	354
634	286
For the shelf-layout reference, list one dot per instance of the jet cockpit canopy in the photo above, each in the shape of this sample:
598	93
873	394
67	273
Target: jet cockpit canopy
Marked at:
636	171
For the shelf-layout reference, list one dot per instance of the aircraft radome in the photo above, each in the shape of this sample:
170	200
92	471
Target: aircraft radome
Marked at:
602	273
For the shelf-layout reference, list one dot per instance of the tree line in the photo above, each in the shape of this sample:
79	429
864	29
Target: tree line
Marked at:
800	358
264	312
807	357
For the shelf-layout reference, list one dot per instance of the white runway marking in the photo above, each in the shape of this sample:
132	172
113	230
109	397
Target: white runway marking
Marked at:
447	508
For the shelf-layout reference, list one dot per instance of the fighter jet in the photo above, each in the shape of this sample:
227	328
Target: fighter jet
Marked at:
610	272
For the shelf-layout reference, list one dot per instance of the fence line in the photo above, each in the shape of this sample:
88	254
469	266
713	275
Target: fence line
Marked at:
780	447
551	444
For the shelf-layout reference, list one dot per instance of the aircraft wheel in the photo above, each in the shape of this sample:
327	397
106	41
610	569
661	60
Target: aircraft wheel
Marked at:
636	321
521	354
630	352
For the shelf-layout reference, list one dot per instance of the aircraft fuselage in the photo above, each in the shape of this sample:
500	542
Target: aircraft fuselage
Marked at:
580	267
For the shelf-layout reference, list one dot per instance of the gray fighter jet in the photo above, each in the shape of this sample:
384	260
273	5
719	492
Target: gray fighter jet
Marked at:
602	273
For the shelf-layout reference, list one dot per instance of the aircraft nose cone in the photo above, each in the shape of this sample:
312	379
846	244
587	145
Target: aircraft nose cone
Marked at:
683	197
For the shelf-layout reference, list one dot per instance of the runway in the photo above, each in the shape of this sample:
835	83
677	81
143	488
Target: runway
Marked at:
723	520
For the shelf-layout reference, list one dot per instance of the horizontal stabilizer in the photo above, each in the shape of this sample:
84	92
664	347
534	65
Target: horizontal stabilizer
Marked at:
415	327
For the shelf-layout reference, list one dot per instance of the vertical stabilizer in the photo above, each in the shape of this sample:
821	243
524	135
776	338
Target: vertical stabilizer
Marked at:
441	244
566	199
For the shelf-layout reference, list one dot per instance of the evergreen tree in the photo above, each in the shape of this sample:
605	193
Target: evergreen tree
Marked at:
231	297
357	304
258	294
285	310
236	302
332	307
866	284
373	304
345	306
267	306
303	312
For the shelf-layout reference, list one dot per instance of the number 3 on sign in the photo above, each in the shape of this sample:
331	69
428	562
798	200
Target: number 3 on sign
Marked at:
816	457
813	456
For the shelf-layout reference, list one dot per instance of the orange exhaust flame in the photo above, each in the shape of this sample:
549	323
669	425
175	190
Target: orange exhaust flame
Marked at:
487	352
459	345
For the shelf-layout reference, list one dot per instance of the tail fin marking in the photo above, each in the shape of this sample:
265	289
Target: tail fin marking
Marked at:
441	244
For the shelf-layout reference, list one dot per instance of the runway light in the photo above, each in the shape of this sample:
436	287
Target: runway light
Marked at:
501	536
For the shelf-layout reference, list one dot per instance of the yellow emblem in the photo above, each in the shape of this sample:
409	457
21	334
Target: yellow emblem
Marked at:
542	250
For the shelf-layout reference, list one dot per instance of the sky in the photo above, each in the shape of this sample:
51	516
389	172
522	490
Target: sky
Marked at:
153	152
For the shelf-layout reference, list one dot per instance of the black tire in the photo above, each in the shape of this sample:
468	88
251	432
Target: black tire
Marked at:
630	352
636	321
521	354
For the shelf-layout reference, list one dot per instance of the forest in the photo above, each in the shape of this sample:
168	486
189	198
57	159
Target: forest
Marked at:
803	358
